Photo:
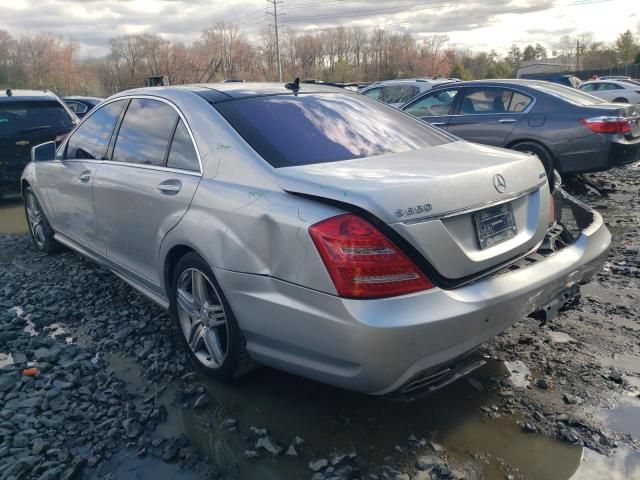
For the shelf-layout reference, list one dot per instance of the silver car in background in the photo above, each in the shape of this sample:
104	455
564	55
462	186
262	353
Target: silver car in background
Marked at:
313	230
400	91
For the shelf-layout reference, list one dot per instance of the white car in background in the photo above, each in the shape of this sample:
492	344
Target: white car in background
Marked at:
398	92
625	91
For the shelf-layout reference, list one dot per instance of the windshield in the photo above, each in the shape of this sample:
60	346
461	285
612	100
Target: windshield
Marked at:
288	130
24	117
568	94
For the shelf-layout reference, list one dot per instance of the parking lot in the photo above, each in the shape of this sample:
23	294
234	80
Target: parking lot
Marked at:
115	397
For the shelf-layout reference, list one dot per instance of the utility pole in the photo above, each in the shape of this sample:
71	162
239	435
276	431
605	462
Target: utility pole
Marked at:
577	55
275	18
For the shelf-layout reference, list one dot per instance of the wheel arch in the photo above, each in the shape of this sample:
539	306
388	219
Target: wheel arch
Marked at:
552	157
171	259
24	184
538	142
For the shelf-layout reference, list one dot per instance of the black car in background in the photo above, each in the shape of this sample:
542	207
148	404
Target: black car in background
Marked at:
568	130
28	118
81	105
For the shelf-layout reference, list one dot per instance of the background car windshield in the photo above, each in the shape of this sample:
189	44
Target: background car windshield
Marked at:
568	94
315	128
398	93
16	117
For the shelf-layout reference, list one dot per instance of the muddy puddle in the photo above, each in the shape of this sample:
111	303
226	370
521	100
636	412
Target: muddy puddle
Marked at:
488	446
12	219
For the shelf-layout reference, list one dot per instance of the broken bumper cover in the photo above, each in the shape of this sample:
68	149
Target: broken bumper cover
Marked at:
380	346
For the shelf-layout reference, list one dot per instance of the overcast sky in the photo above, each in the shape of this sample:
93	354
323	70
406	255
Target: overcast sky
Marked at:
474	24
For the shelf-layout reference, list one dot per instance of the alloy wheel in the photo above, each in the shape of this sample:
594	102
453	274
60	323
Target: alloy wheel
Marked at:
202	317
35	218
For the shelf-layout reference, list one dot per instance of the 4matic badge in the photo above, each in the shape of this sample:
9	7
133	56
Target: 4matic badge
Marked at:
418	209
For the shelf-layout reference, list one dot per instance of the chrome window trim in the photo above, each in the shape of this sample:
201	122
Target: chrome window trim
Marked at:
462	87
111	162
192	173
473	208
524	112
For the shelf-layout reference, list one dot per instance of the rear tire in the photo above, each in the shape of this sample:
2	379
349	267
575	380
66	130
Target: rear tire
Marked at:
205	321
541	152
39	227
621	100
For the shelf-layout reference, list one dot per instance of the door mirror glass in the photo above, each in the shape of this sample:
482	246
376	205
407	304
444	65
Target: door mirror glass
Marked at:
43	152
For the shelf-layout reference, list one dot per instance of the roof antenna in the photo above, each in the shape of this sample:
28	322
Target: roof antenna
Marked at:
9	92
294	86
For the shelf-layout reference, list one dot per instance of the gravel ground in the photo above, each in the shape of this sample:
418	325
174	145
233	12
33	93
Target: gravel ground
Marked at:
67	410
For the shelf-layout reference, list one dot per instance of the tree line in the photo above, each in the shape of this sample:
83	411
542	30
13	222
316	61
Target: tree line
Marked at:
47	61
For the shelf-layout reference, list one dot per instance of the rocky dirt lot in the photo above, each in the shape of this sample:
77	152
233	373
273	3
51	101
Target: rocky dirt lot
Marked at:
94	385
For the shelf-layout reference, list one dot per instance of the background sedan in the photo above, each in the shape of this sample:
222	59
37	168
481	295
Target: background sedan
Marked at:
568	130
398	92
625	91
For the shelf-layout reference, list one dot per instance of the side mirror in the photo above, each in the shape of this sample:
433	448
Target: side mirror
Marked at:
43	152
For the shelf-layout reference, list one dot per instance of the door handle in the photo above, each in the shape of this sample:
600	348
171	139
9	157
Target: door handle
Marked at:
170	187
85	177
437	124
507	120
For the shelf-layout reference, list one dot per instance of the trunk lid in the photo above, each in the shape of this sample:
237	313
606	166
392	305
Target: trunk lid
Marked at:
429	197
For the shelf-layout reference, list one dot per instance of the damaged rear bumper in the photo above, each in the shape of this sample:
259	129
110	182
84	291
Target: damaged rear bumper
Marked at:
384	345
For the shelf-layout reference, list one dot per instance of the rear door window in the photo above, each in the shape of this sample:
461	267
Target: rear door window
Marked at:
486	100
289	130
435	104
398	93
145	132
518	102
22	118
182	153
91	139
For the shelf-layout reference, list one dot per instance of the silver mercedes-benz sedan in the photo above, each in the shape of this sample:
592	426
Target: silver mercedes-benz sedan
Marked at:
313	230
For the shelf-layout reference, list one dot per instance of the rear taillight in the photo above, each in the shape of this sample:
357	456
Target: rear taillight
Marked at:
607	124
362	262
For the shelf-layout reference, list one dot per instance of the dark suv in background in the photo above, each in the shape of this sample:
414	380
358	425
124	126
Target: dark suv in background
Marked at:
28	118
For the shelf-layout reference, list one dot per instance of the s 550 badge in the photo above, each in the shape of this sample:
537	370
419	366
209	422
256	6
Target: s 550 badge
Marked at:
418	209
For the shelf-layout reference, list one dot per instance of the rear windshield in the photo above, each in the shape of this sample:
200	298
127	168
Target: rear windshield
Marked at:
568	94
17	118
289	130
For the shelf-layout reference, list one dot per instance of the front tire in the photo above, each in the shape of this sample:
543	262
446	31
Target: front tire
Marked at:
39	227
205	322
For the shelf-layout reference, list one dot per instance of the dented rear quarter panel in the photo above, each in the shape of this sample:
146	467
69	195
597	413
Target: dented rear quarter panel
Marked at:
241	220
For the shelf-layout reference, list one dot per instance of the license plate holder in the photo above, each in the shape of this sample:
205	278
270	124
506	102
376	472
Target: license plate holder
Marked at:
494	225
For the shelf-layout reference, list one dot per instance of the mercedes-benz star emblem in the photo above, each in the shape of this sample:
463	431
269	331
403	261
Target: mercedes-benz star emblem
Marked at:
499	183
